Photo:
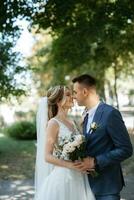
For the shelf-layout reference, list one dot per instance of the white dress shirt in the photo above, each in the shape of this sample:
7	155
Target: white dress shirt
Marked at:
91	113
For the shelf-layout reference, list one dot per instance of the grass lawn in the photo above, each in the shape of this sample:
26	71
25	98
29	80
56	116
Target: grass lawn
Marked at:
17	158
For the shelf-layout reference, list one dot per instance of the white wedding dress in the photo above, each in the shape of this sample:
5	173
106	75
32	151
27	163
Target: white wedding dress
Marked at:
63	183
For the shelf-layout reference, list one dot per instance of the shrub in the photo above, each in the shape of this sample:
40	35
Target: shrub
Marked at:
2	123
23	130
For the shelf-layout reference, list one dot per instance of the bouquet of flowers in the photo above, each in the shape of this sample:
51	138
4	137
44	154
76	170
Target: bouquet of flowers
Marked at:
71	148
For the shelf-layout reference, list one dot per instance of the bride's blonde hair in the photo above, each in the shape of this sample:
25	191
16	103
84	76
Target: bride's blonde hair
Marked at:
55	94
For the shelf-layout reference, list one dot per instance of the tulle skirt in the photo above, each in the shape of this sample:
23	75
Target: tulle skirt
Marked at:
65	184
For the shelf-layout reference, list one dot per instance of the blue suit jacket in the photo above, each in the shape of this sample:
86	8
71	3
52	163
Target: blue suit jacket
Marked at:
110	144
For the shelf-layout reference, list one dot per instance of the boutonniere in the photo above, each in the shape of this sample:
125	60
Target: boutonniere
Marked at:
93	126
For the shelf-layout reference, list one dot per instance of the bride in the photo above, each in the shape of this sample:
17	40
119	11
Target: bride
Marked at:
57	179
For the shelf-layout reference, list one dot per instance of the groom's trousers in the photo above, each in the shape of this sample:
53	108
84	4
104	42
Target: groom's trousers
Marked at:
108	197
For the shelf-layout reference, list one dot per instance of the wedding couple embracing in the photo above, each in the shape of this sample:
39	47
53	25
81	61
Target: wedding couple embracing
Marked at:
97	176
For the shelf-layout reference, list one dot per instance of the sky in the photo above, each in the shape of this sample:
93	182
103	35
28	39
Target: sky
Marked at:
24	45
26	40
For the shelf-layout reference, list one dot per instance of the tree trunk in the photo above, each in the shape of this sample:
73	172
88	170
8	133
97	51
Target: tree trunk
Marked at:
115	86
101	86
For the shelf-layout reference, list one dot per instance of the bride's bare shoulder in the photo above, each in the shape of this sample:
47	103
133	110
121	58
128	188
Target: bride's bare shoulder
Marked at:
53	123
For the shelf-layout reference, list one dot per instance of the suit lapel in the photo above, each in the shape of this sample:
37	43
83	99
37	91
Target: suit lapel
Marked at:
98	113
97	116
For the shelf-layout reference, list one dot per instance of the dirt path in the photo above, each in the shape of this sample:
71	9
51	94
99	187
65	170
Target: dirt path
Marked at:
24	190
16	190
128	191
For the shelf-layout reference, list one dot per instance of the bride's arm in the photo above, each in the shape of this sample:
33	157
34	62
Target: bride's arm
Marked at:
52	134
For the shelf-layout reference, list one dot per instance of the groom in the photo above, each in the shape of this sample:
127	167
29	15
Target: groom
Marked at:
108	142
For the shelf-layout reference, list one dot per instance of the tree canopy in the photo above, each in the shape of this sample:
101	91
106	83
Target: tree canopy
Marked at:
10	12
89	36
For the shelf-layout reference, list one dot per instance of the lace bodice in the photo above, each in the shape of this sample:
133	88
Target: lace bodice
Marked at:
63	135
63	129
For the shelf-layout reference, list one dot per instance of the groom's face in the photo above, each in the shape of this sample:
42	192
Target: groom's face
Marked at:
79	93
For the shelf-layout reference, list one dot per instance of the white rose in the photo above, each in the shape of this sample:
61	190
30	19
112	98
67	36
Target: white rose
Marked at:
79	139
72	149
75	143
69	147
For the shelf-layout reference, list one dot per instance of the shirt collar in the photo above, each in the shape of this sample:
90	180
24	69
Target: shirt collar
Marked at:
92	110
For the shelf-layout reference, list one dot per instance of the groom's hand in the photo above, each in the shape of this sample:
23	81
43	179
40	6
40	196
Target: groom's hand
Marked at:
87	164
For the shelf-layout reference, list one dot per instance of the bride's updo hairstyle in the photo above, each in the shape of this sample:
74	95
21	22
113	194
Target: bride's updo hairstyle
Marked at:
55	95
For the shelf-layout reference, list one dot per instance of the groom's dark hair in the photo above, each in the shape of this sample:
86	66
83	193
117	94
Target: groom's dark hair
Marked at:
86	80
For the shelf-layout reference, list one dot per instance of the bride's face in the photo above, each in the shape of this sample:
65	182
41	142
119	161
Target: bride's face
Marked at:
67	101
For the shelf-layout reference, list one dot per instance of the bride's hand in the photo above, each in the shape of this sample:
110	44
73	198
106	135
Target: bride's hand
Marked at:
81	167
71	165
